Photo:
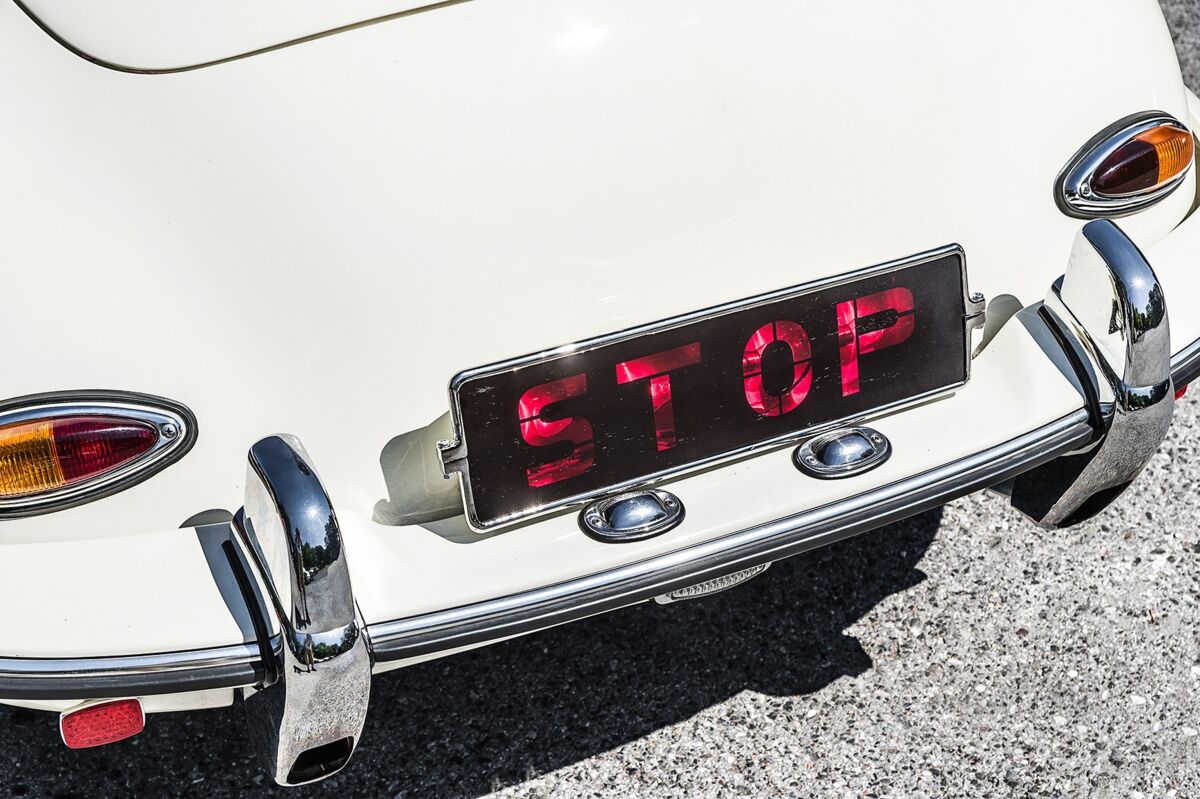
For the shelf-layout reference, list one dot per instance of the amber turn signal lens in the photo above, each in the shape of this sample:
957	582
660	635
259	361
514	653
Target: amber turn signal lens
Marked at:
1126	168
1148	161
47	454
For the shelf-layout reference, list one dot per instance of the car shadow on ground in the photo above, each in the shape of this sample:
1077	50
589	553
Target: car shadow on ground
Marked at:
482	720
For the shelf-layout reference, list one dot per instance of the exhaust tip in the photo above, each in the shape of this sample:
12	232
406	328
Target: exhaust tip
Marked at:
321	761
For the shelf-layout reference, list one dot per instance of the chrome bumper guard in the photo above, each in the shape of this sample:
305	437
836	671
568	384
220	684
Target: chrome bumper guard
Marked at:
306	681
1109	315
307	714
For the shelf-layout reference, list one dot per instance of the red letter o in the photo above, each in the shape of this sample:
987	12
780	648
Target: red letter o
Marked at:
793	335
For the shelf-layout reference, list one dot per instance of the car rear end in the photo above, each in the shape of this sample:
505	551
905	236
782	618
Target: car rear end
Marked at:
312	261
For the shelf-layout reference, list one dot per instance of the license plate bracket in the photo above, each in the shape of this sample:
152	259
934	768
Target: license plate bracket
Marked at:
558	428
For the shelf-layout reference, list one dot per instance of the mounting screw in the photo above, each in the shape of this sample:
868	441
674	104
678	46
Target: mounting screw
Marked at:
169	430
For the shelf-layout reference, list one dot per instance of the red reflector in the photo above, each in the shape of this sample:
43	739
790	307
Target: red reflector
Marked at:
1179	392
102	723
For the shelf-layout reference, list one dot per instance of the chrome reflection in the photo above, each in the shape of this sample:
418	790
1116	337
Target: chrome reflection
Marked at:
1110	316
632	516
308	723
842	453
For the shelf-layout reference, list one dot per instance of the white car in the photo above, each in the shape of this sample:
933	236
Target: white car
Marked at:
569	305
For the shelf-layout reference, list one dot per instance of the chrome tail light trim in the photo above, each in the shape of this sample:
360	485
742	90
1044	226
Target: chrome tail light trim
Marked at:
1072	187
177	431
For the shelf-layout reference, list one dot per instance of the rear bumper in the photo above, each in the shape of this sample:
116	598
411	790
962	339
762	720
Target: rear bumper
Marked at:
131	675
393	642
1185	364
514	615
469	625
363	637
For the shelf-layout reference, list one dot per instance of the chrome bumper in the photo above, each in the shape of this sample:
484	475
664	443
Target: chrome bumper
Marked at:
307	677
513	615
307	714
1109	315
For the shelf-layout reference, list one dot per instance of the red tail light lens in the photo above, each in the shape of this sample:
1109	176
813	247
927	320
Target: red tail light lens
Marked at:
92	445
103	723
1128	167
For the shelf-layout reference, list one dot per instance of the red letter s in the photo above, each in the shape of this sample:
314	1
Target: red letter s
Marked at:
539	432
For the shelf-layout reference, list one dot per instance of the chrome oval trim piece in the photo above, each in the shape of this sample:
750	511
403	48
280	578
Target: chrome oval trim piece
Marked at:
1072	187
632	516
842	453
177	431
494	619
454	452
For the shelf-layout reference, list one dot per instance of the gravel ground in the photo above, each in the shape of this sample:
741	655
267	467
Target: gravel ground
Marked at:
1184	18
960	653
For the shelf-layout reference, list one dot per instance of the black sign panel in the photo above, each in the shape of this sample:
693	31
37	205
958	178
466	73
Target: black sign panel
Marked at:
550	430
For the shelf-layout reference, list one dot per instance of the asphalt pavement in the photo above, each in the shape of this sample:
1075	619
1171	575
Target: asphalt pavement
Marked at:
960	653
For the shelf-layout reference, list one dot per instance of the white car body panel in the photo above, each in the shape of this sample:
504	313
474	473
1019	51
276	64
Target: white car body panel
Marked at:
314	240
163	35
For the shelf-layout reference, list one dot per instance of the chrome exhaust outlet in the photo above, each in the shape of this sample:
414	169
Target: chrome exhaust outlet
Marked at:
307	723
1109	316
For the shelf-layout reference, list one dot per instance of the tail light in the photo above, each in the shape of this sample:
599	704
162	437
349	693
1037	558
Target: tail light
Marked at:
1128	167
101	723
63	450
